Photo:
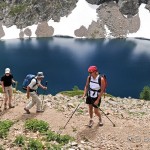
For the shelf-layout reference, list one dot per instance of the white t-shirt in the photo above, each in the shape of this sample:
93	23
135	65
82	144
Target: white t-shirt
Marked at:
94	85
34	84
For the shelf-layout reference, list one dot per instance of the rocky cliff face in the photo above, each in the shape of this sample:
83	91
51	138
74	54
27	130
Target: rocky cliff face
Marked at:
24	13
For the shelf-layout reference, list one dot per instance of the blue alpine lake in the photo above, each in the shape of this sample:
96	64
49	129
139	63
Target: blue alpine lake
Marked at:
64	61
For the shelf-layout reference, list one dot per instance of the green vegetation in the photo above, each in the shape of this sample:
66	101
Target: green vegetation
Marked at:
17	9
80	111
35	144
145	93
20	140
36	125
61	139
3	5
136	113
53	147
0	89
4	128
75	91
1	147
47	136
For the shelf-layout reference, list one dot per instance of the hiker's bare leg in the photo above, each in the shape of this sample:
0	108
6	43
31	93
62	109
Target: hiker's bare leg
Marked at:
91	111
91	115
97	112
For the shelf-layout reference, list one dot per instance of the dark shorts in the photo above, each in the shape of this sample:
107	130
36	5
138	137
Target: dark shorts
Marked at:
90	100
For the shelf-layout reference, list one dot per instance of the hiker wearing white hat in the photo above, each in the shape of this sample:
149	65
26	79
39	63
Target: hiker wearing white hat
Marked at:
7	80
32	91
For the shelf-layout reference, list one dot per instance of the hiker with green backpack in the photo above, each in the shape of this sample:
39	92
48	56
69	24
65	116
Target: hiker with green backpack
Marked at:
94	89
31	84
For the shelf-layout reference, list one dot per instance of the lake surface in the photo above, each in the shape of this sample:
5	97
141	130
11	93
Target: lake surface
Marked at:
64	61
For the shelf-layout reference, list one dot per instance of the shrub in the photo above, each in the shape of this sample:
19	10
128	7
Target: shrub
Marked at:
75	91
61	139
34	145
4	127
1	147
20	140
17	9
36	125
53	147
145	94
75	88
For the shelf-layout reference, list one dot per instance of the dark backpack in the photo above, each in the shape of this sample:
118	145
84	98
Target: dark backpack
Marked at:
99	81
27	81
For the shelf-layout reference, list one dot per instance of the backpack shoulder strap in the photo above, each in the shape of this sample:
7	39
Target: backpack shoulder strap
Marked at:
35	80
99	79
89	78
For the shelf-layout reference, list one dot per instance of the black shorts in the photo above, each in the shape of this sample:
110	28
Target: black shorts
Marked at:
90	100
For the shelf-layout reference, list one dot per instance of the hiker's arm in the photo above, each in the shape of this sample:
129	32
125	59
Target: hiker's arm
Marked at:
28	92
86	87
3	89
101	92
13	81
42	86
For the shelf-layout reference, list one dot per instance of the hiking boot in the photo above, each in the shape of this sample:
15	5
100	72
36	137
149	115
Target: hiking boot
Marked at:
40	111
100	123
91	122
11	106
27	111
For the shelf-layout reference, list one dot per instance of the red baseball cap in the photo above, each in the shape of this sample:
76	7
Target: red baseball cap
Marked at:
92	69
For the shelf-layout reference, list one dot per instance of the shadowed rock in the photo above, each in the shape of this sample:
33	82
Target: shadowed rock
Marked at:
21	34
43	30
81	32
119	26
2	33
28	32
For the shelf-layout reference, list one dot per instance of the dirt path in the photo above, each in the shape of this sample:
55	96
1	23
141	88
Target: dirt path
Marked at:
129	134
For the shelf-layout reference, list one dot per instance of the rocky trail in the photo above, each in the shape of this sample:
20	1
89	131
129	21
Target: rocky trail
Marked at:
131	117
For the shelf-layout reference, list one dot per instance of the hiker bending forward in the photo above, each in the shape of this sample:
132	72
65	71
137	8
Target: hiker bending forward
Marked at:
32	91
7	88
94	92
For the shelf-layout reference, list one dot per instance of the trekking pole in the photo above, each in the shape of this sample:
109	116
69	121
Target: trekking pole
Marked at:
69	118
72	114
3	98
43	95
105	115
2	101
15	90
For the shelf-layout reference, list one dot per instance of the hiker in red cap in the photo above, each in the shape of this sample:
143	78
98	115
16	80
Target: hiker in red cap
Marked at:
94	90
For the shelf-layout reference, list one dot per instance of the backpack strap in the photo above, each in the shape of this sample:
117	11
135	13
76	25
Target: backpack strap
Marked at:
99	82
31	90
104	77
